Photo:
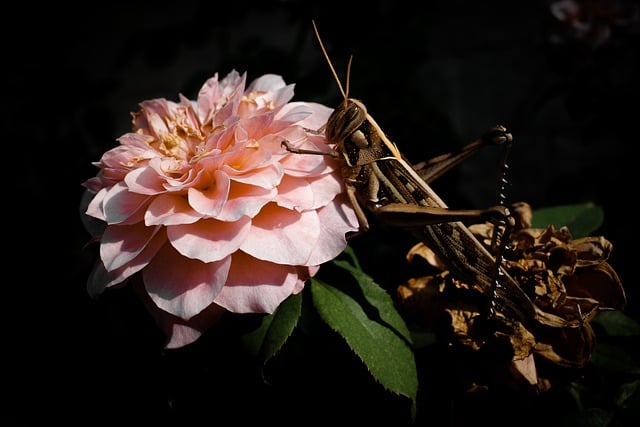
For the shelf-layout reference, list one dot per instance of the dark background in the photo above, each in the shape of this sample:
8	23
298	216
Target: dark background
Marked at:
434	77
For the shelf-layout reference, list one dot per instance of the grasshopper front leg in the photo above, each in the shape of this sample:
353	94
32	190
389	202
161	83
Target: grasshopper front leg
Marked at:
349	177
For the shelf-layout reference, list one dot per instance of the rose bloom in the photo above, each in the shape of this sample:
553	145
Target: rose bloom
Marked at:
205	209
568	280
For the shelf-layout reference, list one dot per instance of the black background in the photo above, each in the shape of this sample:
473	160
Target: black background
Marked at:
434	77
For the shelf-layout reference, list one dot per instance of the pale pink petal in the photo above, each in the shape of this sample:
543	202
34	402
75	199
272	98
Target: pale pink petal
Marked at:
293	113
133	147
245	200
94	208
209	240
266	83
246	160
100	278
211	200
169	209
295	193
307	165
257	126
256	286
155	110
336	220
306	194
266	177
316	120
231	88
187	180
325	188
181	286
122	243
207	98
144	181
119	204
95	226
282	236
307	273
117	162
180	332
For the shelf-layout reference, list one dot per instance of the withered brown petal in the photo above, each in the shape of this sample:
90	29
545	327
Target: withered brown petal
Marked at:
522	341
591	250
569	347
423	251
560	235
600	283
553	320
522	213
578	308
417	299
562	260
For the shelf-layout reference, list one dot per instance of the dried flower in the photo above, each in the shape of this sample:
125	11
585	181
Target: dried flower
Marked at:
204	206
569	282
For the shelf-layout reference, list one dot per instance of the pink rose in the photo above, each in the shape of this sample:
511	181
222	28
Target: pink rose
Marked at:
203	202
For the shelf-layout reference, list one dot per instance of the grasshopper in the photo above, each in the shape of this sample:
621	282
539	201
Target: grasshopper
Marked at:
381	181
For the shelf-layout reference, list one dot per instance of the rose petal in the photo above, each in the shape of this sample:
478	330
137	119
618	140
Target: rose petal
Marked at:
122	243
282	236
256	286
182	286
210	201
100	278
180	332
121	205
167	209
245	200
336	221
209	240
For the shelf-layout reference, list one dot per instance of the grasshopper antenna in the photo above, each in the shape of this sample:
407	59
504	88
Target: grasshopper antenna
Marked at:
333	71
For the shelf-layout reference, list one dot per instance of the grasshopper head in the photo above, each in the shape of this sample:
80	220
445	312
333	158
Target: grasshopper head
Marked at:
344	121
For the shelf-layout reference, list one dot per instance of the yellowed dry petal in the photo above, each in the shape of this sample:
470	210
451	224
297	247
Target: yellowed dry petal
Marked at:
421	250
554	236
562	260
522	214
591	250
553	320
522	341
550	292
483	232
461	320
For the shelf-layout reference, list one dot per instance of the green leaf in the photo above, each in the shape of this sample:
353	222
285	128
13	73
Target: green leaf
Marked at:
375	295
616	323
628	395
582	219
614	359
591	417
386	353
266	340
422	338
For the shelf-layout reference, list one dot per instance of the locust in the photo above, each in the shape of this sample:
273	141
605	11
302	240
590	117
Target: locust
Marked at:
380	181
